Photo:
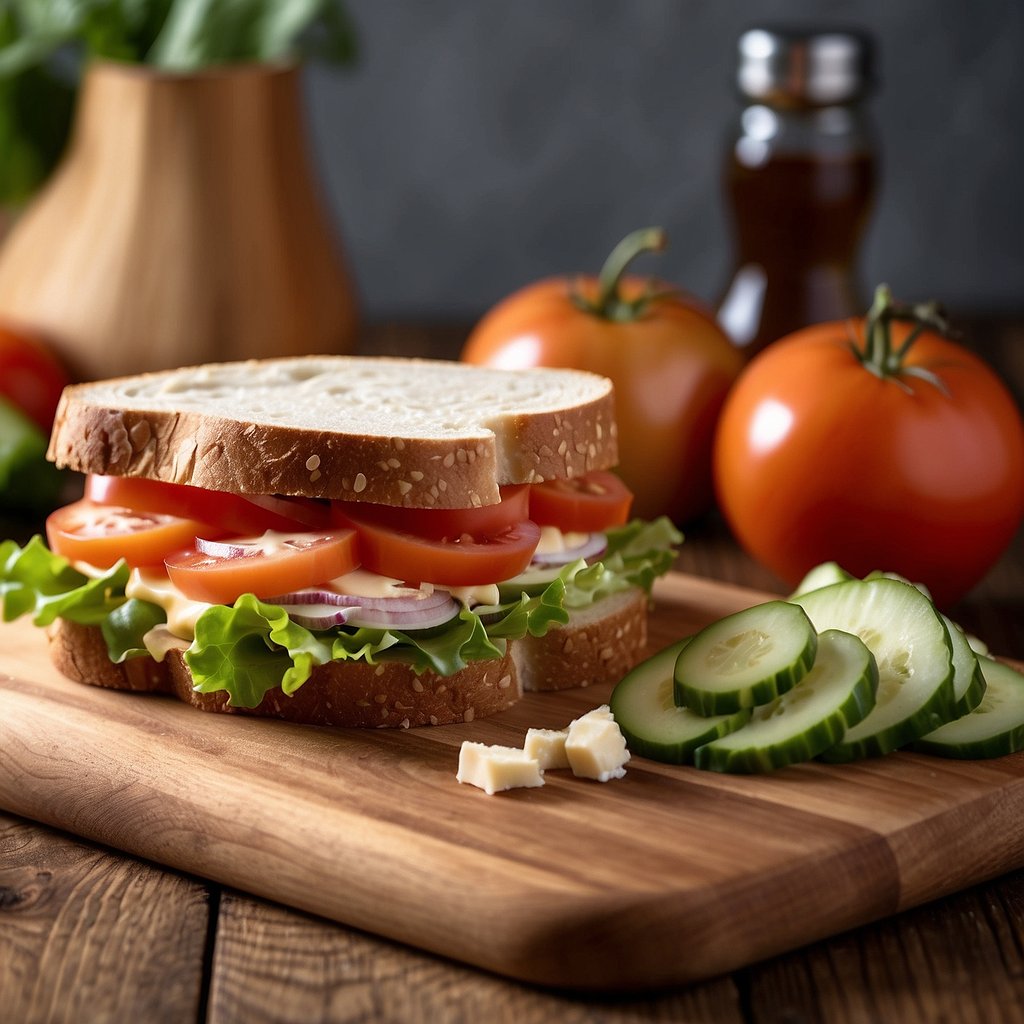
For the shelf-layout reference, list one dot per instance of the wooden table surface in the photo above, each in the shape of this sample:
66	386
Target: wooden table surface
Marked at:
87	934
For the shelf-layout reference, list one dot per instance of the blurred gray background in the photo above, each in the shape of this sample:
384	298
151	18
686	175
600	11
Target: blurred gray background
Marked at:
477	146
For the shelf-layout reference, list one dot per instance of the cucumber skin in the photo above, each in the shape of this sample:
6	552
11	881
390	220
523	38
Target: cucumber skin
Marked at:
675	752
927	718
708	703
1009	741
975	692
937	710
806	747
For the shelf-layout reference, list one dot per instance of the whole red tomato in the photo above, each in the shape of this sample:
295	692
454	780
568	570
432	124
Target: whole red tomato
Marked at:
30	375
669	361
875	443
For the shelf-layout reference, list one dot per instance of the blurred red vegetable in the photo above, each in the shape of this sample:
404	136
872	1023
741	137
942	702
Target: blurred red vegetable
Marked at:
31	376
670	362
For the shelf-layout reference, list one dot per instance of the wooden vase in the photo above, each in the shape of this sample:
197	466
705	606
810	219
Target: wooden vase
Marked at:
184	225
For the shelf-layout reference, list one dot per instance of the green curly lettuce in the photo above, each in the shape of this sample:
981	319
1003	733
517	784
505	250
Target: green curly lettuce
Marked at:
36	582
250	648
637	554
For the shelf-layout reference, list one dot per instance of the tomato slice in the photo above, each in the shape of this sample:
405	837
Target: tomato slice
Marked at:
586	504
236	513
466	560
86	531
267	566
445	523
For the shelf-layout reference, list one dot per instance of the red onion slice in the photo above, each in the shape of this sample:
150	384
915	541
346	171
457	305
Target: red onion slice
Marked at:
321	609
593	547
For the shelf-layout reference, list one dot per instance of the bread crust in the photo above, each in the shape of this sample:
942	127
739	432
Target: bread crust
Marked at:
350	694
599	644
108	428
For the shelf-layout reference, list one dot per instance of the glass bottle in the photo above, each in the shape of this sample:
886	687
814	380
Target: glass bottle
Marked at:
800	177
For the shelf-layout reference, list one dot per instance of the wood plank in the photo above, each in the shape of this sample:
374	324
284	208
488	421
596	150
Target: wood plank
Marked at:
87	935
275	965
575	883
959	960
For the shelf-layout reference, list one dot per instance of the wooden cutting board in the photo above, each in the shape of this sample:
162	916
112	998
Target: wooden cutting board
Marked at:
663	877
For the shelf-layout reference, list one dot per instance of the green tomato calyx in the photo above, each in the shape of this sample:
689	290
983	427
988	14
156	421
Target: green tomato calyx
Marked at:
610	304
878	353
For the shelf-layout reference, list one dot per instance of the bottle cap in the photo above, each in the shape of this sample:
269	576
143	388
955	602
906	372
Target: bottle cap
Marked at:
815	67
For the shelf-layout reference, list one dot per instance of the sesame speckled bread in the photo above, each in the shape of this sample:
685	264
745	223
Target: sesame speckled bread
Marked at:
417	433
349	694
599	644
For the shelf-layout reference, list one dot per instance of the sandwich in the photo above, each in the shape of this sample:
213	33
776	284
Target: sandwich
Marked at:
348	541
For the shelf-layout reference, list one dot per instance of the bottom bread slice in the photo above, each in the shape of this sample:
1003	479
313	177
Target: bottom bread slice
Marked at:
349	694
599	644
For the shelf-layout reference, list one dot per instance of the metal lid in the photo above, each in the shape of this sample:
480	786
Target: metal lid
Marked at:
805	66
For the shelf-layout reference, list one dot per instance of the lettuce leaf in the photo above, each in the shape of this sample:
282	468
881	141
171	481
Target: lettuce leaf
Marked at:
637	554
126	626
34	581
250	648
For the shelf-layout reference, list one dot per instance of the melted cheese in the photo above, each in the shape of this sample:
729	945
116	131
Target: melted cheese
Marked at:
363	583
553	541
153	585
159	640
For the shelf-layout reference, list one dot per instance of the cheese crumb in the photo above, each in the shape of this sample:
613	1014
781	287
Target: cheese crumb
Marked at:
595	746
604	712
547	746
495	769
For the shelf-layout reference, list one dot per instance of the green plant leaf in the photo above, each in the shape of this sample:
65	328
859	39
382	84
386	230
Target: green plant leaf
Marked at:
34	581
124	628
249	649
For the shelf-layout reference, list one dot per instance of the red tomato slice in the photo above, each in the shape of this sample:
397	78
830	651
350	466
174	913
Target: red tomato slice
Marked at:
445	523
102	534
586	504
236	513
267	566
465	561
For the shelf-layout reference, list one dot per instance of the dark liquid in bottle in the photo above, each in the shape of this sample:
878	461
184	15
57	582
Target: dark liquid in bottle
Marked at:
798	221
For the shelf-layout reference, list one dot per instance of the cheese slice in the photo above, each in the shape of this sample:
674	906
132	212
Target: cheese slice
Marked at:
595	746
547	747
495	769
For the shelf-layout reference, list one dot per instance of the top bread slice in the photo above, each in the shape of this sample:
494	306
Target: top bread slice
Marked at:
418	433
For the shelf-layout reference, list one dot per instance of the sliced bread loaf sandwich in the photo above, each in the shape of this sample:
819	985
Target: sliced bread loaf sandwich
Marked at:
340	540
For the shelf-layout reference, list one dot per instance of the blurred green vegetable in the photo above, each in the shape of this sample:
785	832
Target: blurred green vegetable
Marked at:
39	37
28	483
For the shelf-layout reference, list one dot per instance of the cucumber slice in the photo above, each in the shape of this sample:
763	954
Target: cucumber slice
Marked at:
643	705
747	658
968	679
911	645
836	693
823	575
533	581
994	728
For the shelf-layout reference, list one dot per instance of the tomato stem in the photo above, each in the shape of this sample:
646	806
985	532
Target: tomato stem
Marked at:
609	304
878	354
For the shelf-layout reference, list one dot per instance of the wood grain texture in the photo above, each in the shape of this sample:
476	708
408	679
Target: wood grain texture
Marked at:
576	884
274	965
83	934
958	961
